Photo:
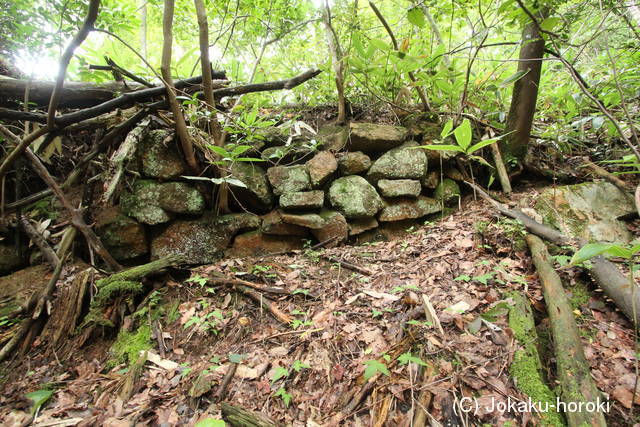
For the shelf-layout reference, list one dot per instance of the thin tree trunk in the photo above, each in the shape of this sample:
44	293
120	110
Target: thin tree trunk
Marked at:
337	59
178	117
143	28
525	94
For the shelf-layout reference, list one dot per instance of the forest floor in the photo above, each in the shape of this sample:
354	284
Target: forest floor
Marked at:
310	372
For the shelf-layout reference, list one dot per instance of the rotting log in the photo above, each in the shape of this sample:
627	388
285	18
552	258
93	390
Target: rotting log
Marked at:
240	417
576	384
526	367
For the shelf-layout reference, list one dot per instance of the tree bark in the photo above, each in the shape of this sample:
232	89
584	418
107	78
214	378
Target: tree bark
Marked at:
525	94
178	117
572	366
338	61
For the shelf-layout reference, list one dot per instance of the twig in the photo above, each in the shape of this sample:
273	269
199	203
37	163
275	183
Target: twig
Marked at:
222	391
40	242
265	302
236	282
348	265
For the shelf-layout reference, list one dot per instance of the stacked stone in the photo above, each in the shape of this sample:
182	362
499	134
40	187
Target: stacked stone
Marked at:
365	175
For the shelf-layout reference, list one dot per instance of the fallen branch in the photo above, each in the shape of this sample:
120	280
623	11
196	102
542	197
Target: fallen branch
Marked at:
571	364
265	302
240	417
348	265
40	242
257	286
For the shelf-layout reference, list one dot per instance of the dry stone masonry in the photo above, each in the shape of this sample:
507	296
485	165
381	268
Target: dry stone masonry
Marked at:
361	177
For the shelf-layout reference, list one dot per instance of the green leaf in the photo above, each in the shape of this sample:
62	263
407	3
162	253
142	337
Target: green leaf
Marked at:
407	358
416	17
210	422
236	358
446	130
589	251
443	147
379	44
550	23
39	398
482	144
373	367
357	44
514	78
219	151
286	397
279	373
597	122
463	134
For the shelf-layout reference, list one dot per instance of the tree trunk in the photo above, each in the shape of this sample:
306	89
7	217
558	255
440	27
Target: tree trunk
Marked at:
525	94
338	61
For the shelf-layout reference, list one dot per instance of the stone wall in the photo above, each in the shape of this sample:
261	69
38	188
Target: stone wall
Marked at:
337	184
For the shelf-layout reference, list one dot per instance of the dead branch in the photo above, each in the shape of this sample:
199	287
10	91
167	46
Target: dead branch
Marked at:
348	265
224	385
265	302
240	417
40	242
257	286
571	363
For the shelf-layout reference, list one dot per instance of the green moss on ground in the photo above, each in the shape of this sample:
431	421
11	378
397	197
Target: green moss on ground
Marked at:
128	345
526	368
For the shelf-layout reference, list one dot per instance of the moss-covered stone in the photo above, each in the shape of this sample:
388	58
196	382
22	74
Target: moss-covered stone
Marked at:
333	138
143	203
399	187
202	240
369	137
321	168
308	220
302	200
526	368
160	157
447	191
181	198
257	195
588	211
123	237
354	197
399	163
288	179
405	208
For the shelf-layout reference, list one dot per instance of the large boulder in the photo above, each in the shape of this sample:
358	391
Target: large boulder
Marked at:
257	195
302	200
153	203
354	197
335	227
399	163
255	243
371	138
401	209
123	237
272	223
202	240
321	168
399	187
159	156
353	163
9	259
588	211
288	179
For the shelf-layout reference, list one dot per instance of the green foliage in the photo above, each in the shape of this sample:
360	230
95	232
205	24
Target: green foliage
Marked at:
128	345
39	398
210	422
374	367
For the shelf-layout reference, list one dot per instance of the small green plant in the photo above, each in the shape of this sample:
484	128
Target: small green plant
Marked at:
374	367
282	394
263	270
406	358
296	323
245	128
39	398
403	288
210	322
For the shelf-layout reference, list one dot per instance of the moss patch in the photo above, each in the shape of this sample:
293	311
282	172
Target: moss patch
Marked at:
526	368
128	345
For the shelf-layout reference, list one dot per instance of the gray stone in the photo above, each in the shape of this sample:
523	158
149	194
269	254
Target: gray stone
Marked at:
302	200
401	209
202	240
160	157
354	163
257	195
321	168
588	211
143	203
399	187
333	138
368	137
354	197
181	198
288	179
448	190
398	163
335	227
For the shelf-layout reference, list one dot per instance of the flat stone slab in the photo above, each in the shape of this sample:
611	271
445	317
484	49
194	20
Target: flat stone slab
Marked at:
369	137
302	200
288	179
402	209
404	162
307	220
399	187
